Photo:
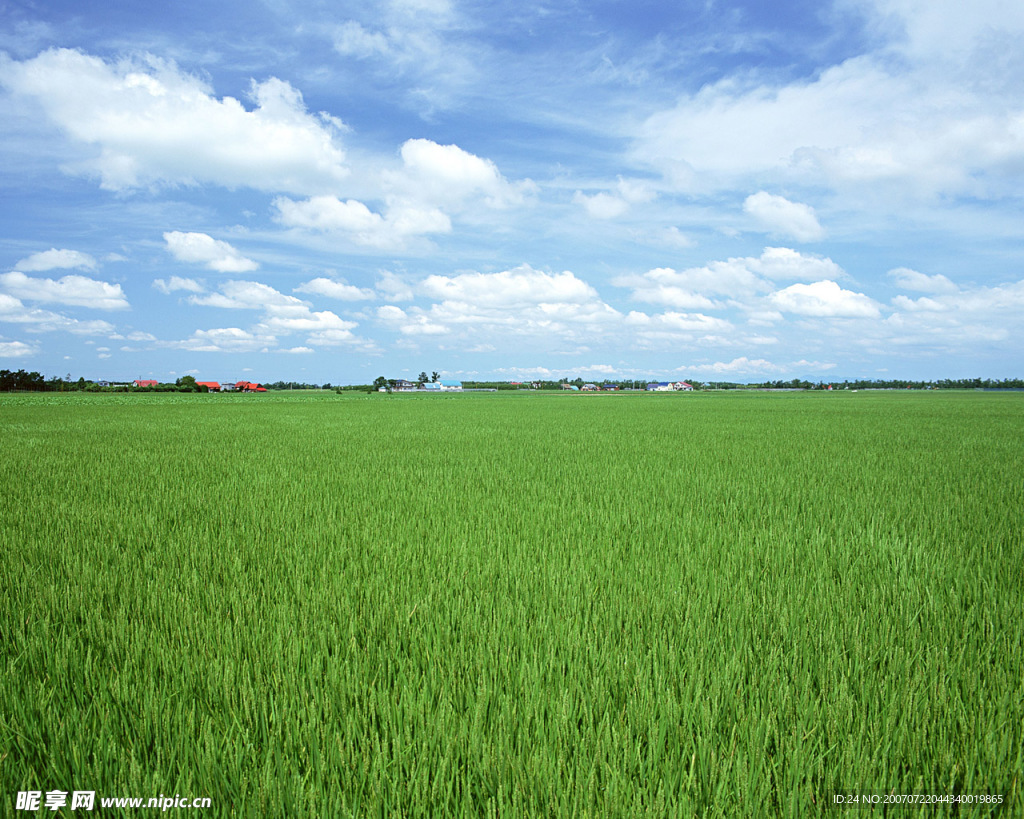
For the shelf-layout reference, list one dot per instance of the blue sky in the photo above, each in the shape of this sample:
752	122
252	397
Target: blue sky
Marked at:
328	192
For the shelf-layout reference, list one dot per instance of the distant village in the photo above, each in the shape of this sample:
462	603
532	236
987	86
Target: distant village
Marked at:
24	381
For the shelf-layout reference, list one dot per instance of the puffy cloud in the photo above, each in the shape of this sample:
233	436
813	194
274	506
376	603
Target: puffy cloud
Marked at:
245	295
824	299
929	112
335	290
601	205
393	287
450	177
328	214
778	215
757	366
16	349
226	340
73	290
416	324
921	282
176	283
281	314
44	321
510	289
522	302
735	279
54	259
607	205
669	329
198	248
153	124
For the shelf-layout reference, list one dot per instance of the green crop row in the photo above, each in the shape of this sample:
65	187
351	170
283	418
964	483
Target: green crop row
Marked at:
514	605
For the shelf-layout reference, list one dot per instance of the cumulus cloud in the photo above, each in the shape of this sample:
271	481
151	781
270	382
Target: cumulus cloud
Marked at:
13	311
824	299
198	248
175	283
73	291
601	205
226	340
756	366
328	214
417	323
511	289
16	349
521	302
734	279
54	259
152	124
921	282
450	178
924	114
335	290
779	216
281	314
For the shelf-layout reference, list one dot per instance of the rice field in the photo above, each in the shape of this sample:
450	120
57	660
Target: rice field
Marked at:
715	604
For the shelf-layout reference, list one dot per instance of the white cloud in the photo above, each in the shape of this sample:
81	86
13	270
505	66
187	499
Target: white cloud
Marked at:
176	283
601	205
328	214
152	124
824	299
44	321
393	287
451	178
929	112
16	349
226	340
779	216
735	279
352	40
510	289
73	290
198	248
335	290
921	282
54	259
281	314
417	324
756	366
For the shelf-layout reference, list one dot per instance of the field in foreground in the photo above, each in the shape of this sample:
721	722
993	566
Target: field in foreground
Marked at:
608	605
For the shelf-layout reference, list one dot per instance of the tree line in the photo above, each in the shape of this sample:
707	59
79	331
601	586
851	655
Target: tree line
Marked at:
24	381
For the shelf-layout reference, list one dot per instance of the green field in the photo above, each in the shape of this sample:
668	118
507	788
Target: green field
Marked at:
714	604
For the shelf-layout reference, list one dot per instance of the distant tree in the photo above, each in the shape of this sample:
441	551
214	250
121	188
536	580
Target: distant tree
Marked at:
380	382
187	383
435	376
422	378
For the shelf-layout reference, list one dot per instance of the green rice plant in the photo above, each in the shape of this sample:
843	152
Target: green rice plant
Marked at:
476	605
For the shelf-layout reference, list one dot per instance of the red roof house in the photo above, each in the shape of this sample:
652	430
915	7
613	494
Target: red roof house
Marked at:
212	386
248	386
146	383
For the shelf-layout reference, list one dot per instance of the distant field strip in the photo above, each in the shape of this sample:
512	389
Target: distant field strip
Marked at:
713	604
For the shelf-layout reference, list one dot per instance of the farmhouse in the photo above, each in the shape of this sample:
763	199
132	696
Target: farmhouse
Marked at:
249	386
450	386
144	383
669	386
212	386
